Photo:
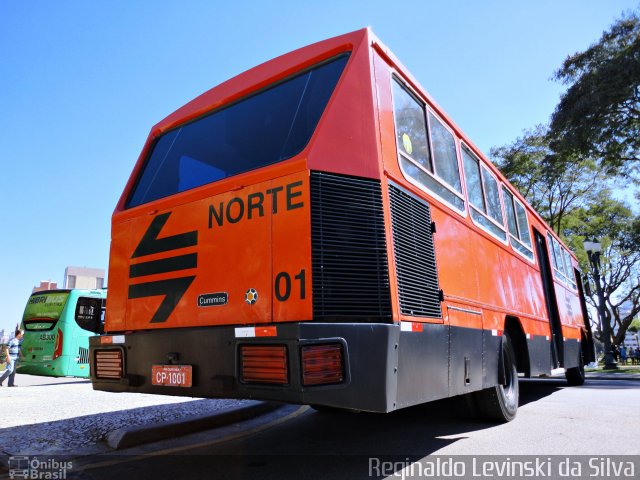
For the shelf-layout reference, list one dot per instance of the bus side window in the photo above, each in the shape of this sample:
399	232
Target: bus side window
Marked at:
518	224
482	189
444	154
436	169
569	268
90	314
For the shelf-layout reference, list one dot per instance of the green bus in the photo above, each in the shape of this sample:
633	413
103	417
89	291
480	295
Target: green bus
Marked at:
57	325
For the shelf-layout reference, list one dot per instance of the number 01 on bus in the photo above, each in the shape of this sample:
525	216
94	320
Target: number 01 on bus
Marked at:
318	231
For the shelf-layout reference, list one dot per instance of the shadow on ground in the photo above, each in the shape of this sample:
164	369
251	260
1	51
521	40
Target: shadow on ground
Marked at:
317	445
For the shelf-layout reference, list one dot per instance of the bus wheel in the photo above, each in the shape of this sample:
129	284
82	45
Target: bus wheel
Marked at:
500	403
575	375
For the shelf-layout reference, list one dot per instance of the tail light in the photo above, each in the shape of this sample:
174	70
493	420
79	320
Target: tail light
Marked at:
109	364
322	364
57	351
264	364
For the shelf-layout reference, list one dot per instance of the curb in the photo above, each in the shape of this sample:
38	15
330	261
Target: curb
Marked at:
132	436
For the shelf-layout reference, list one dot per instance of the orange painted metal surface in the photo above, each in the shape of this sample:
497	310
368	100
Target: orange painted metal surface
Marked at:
248	256
244	240
475	270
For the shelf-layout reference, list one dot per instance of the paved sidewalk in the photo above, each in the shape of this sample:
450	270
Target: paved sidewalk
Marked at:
52	415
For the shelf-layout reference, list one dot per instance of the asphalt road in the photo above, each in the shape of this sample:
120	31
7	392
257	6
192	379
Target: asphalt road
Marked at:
598	419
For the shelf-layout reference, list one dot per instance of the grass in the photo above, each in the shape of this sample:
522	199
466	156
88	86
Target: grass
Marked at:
621	370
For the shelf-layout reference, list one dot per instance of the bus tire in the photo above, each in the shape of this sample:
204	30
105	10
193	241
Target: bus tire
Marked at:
575	376
500	403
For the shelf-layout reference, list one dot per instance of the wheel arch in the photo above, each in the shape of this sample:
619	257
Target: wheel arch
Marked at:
513	327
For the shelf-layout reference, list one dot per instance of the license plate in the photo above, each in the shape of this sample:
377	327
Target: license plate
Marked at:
171	375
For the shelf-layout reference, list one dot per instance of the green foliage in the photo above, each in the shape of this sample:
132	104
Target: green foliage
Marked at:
614	224
635	326
599	115
564	171
604	218
553	187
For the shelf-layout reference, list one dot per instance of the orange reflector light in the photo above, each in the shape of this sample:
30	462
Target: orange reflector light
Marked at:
109	364
264	364
322	364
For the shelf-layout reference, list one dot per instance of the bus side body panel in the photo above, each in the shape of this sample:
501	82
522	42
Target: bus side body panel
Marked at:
346	138
474	268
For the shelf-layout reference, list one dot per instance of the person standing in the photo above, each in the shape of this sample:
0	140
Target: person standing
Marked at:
12	353
623	354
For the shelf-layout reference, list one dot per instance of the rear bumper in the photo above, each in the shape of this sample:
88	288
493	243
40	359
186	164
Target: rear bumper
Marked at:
213	352
49	367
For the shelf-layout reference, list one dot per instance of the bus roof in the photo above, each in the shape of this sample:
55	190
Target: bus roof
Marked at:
283	66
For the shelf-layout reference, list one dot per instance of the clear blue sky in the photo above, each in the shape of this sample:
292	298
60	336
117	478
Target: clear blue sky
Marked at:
81	84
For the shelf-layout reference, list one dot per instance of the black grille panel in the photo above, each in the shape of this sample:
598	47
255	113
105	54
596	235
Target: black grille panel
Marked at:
349	252
83	355
418	287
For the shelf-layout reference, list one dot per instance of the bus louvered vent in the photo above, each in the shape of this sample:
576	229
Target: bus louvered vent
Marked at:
418	287
109	364
83	355
349	252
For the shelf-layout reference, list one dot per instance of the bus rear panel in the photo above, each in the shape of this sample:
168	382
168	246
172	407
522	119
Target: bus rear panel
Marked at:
54	344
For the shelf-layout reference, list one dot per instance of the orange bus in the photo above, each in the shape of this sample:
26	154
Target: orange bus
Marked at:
317	230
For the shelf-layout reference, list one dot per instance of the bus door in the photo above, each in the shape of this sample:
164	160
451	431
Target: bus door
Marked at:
550	300
588	351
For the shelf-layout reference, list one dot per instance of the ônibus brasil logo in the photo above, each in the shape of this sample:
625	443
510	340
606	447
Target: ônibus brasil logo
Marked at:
22	466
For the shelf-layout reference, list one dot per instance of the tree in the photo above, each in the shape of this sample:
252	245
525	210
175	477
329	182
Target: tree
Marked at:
594	135
572	196
599	115
618	229
553	188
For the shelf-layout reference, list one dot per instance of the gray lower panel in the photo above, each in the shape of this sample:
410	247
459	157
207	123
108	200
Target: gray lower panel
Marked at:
370	350
372	363
423	365
539	355
443	361
466	361
571	353
385	369
492	345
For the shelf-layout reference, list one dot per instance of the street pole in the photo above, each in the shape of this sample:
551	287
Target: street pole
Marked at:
609	361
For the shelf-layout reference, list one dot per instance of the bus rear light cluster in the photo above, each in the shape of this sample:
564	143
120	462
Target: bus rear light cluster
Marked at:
57	351
109	364
264	364
322	364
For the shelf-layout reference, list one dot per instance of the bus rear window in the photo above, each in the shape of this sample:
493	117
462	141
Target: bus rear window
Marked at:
39	324
43	310
268	127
